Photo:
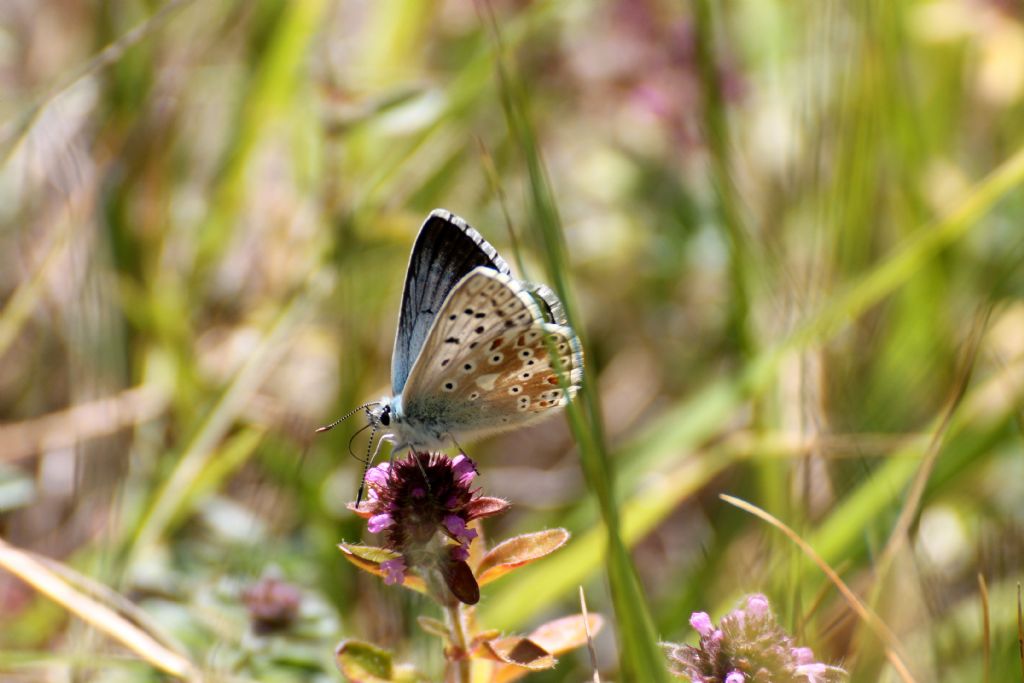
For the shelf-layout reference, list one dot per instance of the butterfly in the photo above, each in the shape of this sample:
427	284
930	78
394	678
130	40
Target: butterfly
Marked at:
477	351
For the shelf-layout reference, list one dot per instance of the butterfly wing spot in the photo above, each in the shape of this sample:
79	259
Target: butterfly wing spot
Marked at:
451	340
449	386
468	367
496	343
479	329
445	362
524	376
496	359
525	353
468	311
474	396
514	389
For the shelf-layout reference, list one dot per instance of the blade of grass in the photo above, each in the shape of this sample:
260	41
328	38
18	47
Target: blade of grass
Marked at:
268	97
901	530
640	657
986	624
100	616
984	408
191	469
684	427
693	421
107	56
888	639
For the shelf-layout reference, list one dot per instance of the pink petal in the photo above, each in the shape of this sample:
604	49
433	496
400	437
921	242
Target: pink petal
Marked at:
463	469
394	571
379	523
758	605
701	623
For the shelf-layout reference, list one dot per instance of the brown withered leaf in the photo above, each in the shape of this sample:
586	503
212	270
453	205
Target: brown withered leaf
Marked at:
486	507
517	551
369	558
459	578
518	651
363	510
567	633
557	637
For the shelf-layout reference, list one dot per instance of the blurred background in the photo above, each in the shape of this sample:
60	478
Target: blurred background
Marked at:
794	253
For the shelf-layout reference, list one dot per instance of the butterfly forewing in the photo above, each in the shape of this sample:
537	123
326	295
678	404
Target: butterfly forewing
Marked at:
486	364
445	251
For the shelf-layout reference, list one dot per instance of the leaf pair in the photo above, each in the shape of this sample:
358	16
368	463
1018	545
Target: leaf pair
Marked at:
507	658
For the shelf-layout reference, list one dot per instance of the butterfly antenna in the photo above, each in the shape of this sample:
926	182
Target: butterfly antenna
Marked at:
346	416
351	440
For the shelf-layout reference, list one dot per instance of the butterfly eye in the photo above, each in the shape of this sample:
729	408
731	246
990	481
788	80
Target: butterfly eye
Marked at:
385	416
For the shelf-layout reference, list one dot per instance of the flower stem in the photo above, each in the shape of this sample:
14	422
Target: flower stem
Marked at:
457	628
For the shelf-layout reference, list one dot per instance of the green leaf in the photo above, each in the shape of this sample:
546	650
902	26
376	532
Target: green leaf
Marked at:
369	558
362	662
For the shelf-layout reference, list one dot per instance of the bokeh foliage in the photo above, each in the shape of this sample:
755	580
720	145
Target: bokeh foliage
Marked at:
789	233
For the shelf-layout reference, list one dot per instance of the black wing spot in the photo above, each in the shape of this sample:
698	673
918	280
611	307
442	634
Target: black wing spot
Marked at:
451	340
480	329
479	315
468	311
510	323
452	316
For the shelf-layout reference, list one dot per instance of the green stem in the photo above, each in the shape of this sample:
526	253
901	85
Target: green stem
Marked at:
457	630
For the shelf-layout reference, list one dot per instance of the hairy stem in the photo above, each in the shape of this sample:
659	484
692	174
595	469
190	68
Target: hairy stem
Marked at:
460	659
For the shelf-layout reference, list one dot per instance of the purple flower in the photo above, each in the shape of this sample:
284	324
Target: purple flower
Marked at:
424	505
380	522
748	645
701	623
394	571
273	605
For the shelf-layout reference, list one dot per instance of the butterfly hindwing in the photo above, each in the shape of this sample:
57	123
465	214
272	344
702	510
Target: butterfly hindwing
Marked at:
485	365
445	250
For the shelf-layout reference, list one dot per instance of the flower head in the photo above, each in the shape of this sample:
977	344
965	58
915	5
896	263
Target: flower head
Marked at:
748	647
423	504
273	605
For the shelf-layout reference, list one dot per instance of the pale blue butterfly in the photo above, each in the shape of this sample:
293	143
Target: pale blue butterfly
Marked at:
472	351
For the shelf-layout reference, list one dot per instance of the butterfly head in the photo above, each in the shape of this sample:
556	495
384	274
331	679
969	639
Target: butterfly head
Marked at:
382	413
